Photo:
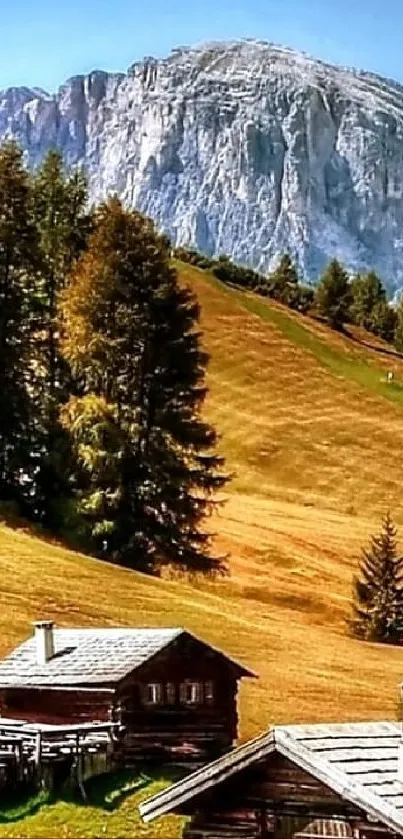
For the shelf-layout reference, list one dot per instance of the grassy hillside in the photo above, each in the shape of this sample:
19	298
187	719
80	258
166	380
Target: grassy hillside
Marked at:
313	435
306	414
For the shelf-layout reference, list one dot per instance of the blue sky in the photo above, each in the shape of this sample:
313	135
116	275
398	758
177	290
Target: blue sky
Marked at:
46	41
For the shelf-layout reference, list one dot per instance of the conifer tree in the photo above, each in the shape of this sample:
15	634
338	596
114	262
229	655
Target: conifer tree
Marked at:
62	222
378	589
17	258
283	282
398	336
383	321
130	335
333	295
367	292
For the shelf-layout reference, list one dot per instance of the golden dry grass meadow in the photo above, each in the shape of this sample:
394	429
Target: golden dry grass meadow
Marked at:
313	435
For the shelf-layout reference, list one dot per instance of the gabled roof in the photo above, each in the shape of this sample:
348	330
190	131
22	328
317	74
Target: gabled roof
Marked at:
358	761
91	656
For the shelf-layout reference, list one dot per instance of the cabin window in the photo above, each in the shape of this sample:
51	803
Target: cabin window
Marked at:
191	693
171	693
209	693
153	694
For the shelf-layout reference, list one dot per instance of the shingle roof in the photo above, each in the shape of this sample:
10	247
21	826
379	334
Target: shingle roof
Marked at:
85	656
93	656
356	760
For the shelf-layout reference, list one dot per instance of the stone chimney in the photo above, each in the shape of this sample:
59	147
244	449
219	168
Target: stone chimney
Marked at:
44	640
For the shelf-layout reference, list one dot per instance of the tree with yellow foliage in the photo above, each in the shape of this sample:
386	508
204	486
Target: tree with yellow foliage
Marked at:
149	469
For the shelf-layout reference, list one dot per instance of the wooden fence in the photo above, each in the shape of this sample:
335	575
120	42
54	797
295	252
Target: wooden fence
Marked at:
42	756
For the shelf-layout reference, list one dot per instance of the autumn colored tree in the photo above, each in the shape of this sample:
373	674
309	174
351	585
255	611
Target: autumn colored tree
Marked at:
149	466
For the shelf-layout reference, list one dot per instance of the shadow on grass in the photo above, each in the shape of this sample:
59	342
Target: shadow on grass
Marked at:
21	806
369	345
106	792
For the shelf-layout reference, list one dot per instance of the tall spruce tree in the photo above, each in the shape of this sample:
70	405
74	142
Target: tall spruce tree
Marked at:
17	260
62	221
283	281
383	321
150	470
333	295
283	284
378	589
367	292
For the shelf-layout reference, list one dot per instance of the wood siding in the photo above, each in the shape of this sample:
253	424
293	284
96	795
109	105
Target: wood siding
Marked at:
278	800
55	707
173	727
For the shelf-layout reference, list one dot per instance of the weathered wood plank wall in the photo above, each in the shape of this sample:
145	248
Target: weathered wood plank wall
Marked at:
278	800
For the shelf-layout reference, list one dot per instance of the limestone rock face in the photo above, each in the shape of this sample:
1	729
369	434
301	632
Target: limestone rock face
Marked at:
241	148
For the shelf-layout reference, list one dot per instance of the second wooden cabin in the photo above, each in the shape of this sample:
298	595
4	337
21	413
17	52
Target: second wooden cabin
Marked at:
172	694
337	781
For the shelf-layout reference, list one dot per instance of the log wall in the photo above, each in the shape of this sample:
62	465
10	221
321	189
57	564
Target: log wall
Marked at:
277	801
174	729
55	707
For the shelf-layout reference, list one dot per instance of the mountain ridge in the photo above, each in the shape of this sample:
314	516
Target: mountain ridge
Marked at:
239	147
210	45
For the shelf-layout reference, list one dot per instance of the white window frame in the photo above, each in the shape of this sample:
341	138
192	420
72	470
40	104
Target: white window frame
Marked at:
196	693
153	693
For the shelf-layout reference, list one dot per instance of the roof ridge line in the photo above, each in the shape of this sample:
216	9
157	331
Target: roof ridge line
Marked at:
232	758
281	740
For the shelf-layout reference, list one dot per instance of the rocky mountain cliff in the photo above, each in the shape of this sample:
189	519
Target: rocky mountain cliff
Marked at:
241	148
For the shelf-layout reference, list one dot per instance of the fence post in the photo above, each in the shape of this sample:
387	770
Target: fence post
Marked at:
38	758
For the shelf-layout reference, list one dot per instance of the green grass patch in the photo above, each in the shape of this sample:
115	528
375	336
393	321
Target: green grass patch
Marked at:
111	810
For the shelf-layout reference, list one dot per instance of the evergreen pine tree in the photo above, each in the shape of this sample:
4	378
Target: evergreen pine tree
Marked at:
283	282
383	321
17	258
333	295
149	466
378	590
367	292
398	336
62	222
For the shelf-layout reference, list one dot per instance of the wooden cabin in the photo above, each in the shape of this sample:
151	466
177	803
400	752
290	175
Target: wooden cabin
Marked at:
171	693
296	782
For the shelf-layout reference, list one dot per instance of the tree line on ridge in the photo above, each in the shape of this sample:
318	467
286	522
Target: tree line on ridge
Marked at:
337	297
